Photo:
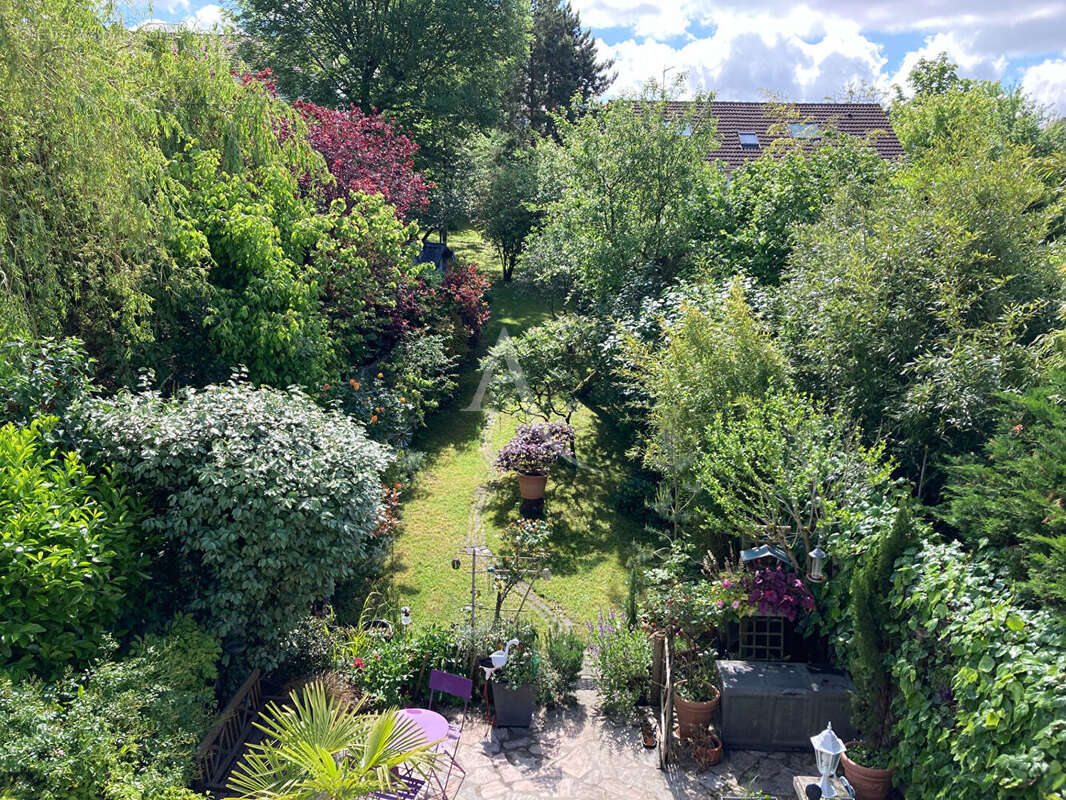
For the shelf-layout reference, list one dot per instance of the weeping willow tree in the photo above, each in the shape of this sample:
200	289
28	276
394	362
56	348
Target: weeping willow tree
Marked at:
97	238
77	232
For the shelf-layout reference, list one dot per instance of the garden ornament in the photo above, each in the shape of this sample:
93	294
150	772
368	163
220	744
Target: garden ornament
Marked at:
827	751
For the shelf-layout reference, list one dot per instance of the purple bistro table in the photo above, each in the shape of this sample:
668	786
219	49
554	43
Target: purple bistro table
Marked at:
433	726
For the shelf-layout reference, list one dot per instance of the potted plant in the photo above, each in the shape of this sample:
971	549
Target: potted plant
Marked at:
697	694
514	689
707	748
867	763
532	452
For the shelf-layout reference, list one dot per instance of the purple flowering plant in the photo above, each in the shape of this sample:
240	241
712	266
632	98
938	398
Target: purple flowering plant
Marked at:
535	447
772	591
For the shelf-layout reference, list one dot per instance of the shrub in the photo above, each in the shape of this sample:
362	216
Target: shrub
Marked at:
263	500
392	397
623	662
980	681
264	302
535	447
124	730
464	288
41	377
70	554
1011	496
566	652
545	371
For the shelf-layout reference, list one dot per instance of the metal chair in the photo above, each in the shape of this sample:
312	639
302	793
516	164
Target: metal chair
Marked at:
407	787
462	688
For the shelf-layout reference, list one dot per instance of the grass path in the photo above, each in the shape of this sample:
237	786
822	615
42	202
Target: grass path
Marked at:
457	495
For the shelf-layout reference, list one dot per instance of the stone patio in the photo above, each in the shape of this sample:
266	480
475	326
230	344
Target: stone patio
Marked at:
575	752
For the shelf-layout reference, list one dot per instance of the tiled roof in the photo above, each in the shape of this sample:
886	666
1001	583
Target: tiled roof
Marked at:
864	120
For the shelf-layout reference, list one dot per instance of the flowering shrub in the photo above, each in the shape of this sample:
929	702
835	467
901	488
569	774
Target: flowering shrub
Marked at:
535	447
623	662
773	591
694	609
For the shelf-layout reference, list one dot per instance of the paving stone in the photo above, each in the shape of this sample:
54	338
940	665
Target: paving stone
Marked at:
576	753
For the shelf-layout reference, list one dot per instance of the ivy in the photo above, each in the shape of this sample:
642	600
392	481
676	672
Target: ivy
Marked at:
980	679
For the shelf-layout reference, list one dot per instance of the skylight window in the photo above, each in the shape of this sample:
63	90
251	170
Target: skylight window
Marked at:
749	141
804	130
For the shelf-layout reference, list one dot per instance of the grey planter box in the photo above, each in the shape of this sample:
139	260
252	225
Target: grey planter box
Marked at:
514	707
778	705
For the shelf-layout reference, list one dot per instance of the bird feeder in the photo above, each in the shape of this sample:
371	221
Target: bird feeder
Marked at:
816	565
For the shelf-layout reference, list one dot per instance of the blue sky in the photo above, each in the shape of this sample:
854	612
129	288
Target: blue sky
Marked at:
751	49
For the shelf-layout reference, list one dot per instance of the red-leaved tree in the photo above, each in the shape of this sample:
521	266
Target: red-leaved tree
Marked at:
363	152
366	154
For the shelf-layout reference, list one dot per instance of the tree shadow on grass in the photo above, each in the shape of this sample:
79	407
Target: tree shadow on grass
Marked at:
582	504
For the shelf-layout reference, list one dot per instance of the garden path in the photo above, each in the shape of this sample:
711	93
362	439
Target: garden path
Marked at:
576	753
550	613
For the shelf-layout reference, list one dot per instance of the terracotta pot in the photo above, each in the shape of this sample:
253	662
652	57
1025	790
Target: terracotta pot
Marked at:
869	783
709	753
531	487
693	716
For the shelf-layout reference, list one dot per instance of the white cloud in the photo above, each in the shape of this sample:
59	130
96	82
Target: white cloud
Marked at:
206	18
800	55
816	49
644	17
1046	83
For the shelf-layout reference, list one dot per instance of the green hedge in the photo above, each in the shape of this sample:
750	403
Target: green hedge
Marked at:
125	730
981	682
69	555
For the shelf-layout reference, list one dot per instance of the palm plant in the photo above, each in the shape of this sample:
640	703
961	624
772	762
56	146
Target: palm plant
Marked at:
321	748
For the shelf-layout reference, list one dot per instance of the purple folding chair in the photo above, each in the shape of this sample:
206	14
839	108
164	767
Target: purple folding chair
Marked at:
463	688
407	787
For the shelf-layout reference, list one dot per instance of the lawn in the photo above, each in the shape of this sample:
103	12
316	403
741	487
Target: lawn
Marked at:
592	539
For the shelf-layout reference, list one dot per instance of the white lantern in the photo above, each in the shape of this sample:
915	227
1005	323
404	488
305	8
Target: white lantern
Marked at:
827	751
816	565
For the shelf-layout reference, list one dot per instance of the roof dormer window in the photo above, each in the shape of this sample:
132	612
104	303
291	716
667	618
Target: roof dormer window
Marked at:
749	141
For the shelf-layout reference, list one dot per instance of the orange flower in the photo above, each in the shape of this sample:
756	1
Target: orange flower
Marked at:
402	400
381	375
353	383
325	388
373	417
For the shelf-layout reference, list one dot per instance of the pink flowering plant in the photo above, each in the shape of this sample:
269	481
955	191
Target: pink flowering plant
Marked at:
773	592
694	609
